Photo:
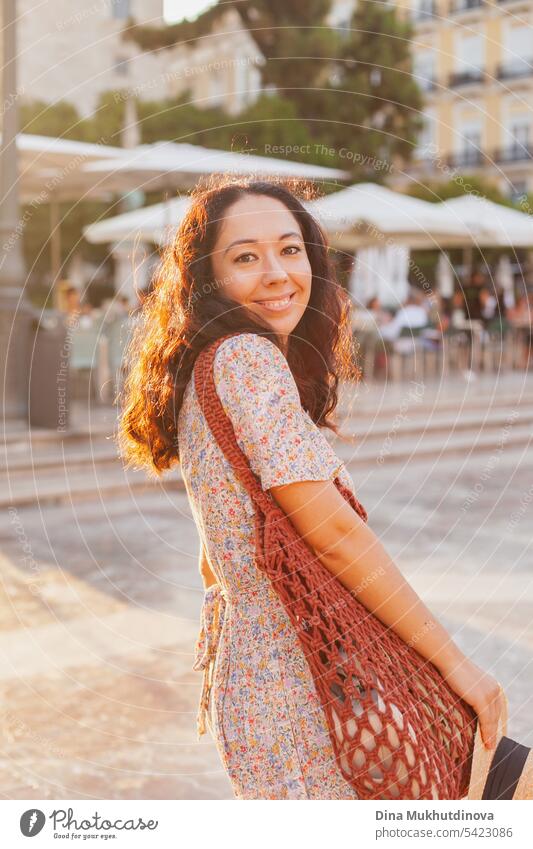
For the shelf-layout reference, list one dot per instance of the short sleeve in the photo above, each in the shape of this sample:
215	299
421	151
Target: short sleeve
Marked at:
259	394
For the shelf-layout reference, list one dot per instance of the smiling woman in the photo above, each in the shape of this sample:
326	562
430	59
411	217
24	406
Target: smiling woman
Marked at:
251	264
268	271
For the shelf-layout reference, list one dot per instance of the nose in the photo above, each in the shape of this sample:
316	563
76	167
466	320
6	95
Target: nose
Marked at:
274	271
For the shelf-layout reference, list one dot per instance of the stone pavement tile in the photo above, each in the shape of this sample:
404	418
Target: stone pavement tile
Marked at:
51	649
49	594
122	730
138	550
452	389
508	661
453	516
117	718
509	622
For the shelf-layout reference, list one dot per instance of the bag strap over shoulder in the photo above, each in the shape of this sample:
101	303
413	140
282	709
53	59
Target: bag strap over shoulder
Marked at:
221	426
222	430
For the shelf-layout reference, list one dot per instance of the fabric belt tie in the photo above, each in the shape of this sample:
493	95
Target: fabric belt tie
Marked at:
206	646
216	600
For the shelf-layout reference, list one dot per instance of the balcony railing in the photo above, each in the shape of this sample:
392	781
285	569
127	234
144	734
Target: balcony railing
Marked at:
516	71
514	153
474	75
473	158
466	158
465	5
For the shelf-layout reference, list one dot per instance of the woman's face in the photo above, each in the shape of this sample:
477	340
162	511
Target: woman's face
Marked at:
259	259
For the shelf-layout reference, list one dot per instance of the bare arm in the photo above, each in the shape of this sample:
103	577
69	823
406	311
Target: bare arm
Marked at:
351	551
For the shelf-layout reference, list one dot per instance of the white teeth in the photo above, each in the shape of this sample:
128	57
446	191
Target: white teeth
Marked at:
276	305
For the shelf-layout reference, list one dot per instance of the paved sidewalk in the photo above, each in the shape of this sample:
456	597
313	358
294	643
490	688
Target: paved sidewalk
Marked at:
100	600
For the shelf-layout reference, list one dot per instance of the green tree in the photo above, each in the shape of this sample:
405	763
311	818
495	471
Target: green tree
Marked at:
60	120
293	38
371	93
435	191
271	121
106	122
352	87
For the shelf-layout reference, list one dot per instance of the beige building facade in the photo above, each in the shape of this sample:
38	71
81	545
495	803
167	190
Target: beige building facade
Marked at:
73	52
473	60
222	68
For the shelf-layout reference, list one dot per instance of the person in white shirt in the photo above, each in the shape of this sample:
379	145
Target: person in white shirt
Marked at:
412	315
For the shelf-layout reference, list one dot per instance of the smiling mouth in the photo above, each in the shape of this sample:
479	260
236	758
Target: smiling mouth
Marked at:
278	305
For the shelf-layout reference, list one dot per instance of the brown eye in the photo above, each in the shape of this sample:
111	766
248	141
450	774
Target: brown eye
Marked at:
238	259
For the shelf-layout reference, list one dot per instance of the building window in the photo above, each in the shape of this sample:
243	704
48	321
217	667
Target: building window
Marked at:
426	147
520	132
424	70
120	8
217	89
468	144
243	94
470	60
517	54
471	152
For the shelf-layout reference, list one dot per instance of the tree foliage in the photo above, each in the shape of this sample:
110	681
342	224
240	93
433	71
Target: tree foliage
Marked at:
462	184
352	87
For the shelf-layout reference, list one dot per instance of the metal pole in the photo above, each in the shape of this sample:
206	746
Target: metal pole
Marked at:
15	311
55	249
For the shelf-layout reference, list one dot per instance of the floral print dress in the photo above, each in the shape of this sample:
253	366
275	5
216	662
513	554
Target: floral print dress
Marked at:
259	701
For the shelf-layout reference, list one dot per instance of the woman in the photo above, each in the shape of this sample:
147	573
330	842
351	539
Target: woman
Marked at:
248	257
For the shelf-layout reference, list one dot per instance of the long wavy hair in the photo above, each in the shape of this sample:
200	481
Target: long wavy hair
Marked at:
186	310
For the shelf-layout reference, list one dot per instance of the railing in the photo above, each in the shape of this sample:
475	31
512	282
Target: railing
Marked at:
474	75
475	158
511	72
465	5
514	153
500	346
466	158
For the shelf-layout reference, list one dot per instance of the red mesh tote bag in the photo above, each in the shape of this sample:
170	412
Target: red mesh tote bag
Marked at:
397	729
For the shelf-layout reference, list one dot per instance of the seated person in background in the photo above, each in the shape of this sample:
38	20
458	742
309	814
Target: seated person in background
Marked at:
413	315
522	312
521	316
370	318
438	314
458	316
495	318
72	301
474	297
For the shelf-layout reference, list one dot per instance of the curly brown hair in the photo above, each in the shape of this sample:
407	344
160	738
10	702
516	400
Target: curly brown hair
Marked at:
184	312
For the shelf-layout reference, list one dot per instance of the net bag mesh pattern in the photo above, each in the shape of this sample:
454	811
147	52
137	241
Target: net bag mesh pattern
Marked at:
397	729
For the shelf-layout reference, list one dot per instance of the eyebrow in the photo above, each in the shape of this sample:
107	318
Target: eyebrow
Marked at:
254	241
